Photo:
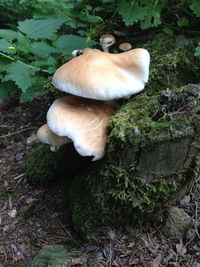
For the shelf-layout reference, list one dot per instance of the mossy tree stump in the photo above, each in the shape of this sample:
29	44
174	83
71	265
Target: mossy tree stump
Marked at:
152	154
153	145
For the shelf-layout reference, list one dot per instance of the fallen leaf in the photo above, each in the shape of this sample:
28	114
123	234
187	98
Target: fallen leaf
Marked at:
91	248
157	261
79	260
185	200
180	248
12	213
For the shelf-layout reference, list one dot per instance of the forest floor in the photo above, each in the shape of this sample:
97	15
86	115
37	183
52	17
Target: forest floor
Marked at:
31	217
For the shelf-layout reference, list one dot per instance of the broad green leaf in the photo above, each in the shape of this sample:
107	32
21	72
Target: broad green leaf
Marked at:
40	28
197	51
21	74
8	35
152	17
42	49
23	43
131	12
82	32
37	89
4	63
7	47
7	88
68	43
50	65
195	6
93	19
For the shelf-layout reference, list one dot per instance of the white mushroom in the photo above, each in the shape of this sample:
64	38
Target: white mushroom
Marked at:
104	76
106	41
125	46
46	136
82	120
86	50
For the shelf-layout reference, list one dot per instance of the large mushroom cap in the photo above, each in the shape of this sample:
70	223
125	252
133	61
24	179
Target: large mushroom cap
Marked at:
104	76
84	121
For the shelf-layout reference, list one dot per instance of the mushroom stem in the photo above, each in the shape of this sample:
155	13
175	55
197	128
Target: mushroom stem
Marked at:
106	50
106	41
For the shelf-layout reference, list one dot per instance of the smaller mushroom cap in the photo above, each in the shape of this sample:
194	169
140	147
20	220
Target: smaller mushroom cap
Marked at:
46	136
84	121
125	46
106	41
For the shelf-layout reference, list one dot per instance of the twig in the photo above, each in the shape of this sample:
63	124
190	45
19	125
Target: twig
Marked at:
19	176
196	219
23	130
5	223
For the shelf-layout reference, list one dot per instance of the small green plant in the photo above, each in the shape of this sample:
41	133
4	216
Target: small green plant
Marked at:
30	54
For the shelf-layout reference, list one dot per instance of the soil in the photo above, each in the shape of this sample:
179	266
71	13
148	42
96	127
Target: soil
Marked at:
31	217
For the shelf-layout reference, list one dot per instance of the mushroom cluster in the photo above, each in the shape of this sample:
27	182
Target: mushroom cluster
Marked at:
90	77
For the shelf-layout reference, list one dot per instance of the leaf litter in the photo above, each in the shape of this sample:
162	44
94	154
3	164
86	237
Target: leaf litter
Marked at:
28	222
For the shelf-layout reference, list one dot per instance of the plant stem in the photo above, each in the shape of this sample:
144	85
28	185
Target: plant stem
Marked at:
12	59
3	55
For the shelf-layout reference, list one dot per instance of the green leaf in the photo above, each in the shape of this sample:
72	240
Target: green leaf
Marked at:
197	51
8	35
90	18
51	64
168	31
40	28
152	17
131	12
4	63
183	22
7	47
195	6
42	49
7	88
23	43
68	43
21	74
37	89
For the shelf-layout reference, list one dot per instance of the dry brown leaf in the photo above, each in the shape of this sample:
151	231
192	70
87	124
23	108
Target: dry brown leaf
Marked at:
157	261
180	248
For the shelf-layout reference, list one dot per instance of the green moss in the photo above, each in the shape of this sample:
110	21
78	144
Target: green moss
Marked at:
173	63
115	195
41	165
51	92
31	212
148	161
5	193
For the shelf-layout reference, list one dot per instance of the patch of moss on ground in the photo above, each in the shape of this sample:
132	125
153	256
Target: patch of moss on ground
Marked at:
5	193
42	165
